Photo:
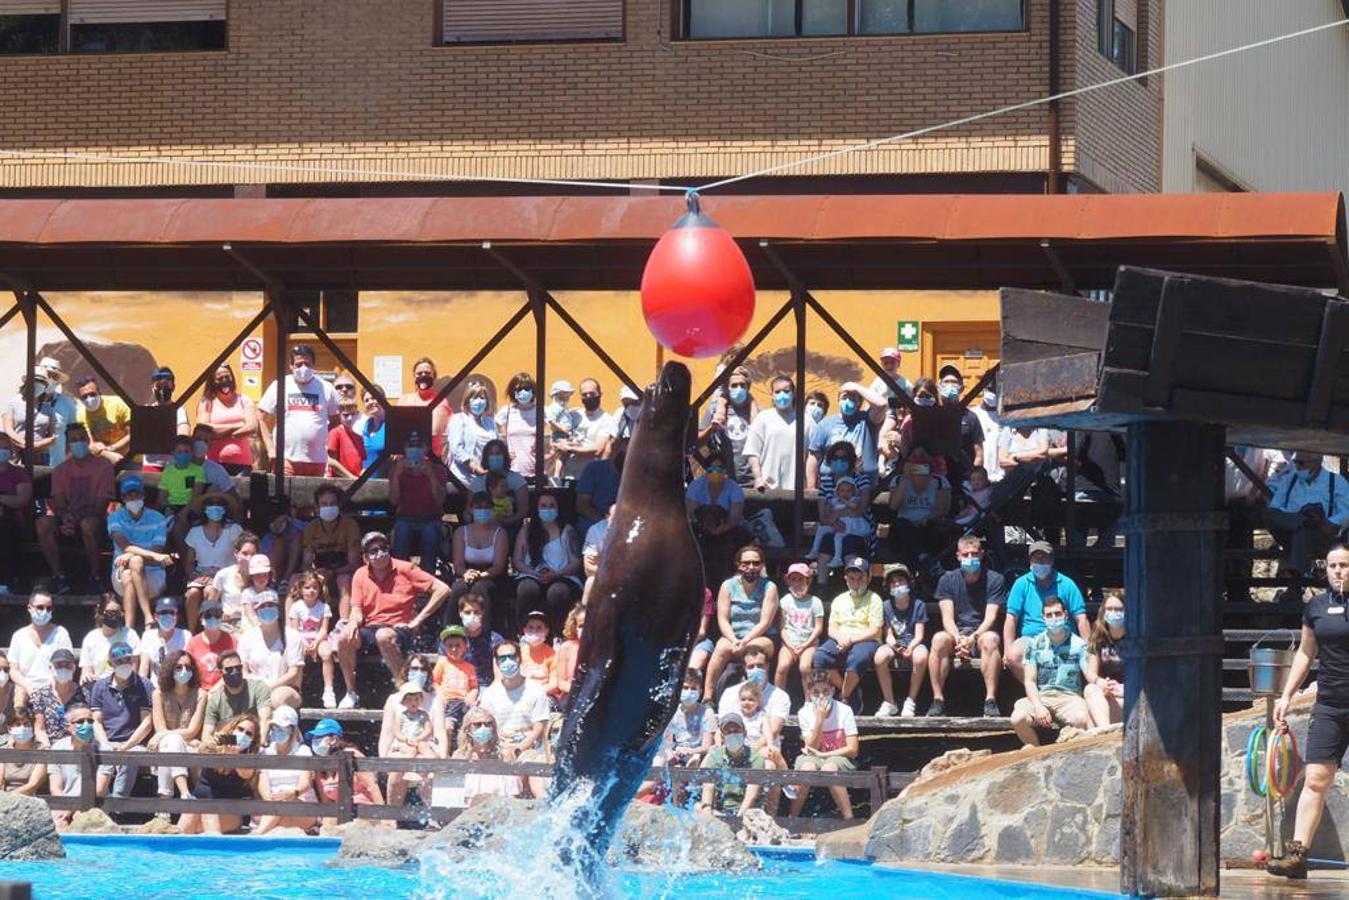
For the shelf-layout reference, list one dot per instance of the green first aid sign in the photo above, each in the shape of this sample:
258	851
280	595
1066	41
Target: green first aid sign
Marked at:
907	336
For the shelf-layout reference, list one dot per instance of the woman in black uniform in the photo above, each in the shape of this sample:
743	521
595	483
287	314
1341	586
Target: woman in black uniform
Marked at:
1325	635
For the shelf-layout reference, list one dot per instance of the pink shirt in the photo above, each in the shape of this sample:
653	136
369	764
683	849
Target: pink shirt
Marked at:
85	486
227	451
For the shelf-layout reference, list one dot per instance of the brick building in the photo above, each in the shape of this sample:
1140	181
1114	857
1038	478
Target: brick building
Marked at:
340	94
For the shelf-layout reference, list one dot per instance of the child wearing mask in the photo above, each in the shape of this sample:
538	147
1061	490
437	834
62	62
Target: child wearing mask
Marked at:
456	684
905	629
801	625
309	615
730	797
829	741
538	659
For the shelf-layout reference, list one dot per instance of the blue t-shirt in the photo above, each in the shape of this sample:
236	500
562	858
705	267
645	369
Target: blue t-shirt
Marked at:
1058	667
1026	601
701	495
373	440
857	429
149	531
120	707
599	479
902	622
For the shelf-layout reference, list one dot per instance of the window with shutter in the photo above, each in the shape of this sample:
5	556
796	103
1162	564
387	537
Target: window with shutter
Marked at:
30	26
501	21
146	26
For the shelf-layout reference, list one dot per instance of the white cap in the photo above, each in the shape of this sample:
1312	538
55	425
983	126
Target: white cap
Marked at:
627	393
285	716
561	387
53	369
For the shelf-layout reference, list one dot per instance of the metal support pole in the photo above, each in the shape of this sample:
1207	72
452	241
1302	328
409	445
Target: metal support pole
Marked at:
83	349
799	450
539	301
281	311
1070	511
1273	805
28	304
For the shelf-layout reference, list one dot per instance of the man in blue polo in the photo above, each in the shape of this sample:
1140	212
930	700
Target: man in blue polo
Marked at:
121	704
1025	601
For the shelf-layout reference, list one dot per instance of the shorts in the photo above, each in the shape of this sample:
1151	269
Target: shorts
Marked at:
155	579
455	710
1327	735
858	658
705	645
401	632
966	631
1064	708
843	763
330	560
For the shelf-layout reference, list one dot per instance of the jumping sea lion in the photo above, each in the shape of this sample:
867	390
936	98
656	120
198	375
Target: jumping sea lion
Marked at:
640	624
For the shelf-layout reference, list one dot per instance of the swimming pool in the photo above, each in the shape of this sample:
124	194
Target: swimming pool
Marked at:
205	868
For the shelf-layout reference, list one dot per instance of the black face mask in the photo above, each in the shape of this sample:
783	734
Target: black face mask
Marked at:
113	620
590	403
233	679
225	384
163	394
424	381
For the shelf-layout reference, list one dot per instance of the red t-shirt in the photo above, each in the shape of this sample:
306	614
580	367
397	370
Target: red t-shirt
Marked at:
349	449
11	477
389	600
85	486
207	655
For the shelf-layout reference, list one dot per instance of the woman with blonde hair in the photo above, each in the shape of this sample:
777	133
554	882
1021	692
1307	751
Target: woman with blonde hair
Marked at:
469	430
480	741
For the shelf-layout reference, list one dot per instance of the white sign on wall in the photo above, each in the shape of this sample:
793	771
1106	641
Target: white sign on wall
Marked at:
389	375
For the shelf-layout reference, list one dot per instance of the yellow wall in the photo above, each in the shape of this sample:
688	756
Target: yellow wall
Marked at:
186	330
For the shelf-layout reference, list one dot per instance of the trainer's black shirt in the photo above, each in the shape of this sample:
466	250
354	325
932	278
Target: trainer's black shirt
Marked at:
1328	617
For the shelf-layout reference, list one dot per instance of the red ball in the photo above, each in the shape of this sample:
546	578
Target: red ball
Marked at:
697	289
1260	856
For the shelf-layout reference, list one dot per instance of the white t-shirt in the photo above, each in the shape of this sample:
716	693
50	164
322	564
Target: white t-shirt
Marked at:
839	725
799	617
991	429
212	556
269	662
156	649
230	584
94	650
517	709
588	429
288	779
775	701
33	660
309	407
310	618
70	772
755	726
772	438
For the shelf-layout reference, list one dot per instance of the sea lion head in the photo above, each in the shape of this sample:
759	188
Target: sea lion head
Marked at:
665	407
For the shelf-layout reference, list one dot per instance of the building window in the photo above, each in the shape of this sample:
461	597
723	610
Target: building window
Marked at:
529	21
111	26
1117	32
336	312
702	19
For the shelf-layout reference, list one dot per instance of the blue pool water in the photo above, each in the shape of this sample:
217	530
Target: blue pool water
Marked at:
205	868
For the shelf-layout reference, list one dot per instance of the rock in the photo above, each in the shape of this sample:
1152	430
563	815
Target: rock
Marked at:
26	830
1069	733
1014	846
92	821
947	761
1067	841
370	844
758	828
965	841
1019	790
845	843
1081	783
1105	850
156	825
669	839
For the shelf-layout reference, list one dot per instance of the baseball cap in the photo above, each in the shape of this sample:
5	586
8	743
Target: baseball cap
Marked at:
62	655
132	483
371	537
325	727
561	387
627	393
259	564
120	650
1040	547
285	716
210	605
166	604
450	631
898	569
799	569
731	718
949	369
890	353
858	563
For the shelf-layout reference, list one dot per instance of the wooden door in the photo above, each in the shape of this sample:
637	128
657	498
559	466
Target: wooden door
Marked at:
973	348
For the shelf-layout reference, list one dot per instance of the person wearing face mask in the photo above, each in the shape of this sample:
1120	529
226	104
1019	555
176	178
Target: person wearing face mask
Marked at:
21	778
208	644
905	631
829	740
715	504
547	563
32	646
64	779
692	729
747	616
228	421
327	739
890	359
16	505
770	447
178	710
110	628
1309	509
121	703
417	495
950	391
625	420
37	390
496	461
346	447
856	621
921	503
424	377
162	638
481	639
65	408
730	797
108	419
283	541
182	481
284	739
311	410
480	742
332	544
49	702
370	428
591	430
817	407
852	423
519	706
469	430
455	682
1055	672
839	540
560	423
802	625
538	659
273	653
407	733
515	422
986	410
480	550
237	695
237	735
162	387
970	599
209	547
140	536
1024	619
731	412
763	708
1104	691
81	489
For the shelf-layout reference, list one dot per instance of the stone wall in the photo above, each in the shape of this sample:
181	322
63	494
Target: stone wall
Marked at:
1060	805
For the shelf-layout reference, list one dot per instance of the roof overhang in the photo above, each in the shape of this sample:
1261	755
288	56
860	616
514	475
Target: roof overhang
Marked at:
887	242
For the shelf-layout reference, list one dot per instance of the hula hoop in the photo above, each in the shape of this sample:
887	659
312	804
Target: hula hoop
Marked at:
1257	770
1282	763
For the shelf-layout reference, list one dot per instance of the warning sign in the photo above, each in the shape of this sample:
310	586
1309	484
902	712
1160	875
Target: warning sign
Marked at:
251	349
250	363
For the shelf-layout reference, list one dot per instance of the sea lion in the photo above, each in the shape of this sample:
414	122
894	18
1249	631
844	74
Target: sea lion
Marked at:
640	625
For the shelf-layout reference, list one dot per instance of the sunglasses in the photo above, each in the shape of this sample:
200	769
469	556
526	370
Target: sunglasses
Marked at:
507	657
182	668
230	670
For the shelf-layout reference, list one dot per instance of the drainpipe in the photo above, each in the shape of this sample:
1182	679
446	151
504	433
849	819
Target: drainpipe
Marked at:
1054	175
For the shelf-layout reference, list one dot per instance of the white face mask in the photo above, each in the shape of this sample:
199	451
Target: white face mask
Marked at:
302	374
134	506
4	678
735	741
92	402
122	671
277	735
329	513
21	734
471	621
533	639
63	676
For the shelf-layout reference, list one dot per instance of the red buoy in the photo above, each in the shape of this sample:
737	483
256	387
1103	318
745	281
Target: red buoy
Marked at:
697	289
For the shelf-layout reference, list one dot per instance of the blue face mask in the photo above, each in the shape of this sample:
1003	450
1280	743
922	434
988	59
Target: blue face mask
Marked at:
415	454
211	622
215	513
1057	626
1114	619
85	731
199	449
689	697
477	406
481	734
950	391
79	449
738	395
758	676
782	399
971	565
482	515
268	614
839	466
182	457
847	406
548	514
509	667
5	454
1041	570
524	396
496	462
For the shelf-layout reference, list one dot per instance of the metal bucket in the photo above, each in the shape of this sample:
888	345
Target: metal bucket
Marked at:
1269	669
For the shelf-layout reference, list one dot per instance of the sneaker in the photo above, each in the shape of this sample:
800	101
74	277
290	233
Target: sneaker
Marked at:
888	709
329	699
910	709
991	710
938	708
60	585
790	792
349	701
1293	863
